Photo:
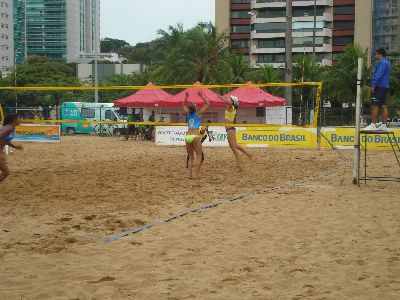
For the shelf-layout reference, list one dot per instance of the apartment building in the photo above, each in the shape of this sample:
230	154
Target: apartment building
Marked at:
386	27
6	36
257	28
60	30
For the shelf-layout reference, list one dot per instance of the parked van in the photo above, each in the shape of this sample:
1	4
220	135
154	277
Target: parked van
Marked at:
84	111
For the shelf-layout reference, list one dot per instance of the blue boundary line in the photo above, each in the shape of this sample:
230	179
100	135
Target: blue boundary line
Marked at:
211	205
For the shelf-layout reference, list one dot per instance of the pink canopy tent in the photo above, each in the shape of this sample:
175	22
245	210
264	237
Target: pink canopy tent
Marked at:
144	98
256	97
177	100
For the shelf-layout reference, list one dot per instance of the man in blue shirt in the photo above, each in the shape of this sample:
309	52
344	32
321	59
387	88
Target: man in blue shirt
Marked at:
379	89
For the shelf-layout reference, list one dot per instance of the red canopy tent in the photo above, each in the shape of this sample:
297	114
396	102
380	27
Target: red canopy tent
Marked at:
144	98
177	100
255	97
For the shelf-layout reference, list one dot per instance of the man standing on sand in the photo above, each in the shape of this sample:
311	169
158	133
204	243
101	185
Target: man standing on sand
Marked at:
379	90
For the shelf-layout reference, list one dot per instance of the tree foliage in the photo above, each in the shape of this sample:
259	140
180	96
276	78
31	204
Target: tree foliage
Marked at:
109	45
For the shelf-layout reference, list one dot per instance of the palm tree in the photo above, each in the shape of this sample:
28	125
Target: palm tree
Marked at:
267	74
306	69
342	80
240	68
194	56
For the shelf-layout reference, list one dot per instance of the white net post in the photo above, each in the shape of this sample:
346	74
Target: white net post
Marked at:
357	152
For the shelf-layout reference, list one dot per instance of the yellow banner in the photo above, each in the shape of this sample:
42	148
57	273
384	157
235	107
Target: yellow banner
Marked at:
344	138
279	137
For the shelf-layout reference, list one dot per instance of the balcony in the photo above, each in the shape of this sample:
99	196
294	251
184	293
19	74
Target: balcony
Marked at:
325	48
328	17
326	32
274	65
282	3
281	65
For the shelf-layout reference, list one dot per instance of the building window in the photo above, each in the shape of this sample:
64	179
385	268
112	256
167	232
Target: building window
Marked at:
240	14
343	25
241	29
271	58
308	26
297	12
307	12
270	27
272	13
308	41
240	44
344	10
272	43
343	40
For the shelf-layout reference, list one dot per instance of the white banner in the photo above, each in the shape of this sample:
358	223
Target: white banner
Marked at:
175	136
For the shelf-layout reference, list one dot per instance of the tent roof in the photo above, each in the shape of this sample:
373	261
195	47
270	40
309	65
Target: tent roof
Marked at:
144	98
177	100
254	97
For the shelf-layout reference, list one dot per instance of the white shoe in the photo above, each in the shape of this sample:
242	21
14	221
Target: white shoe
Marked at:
370	127
382	127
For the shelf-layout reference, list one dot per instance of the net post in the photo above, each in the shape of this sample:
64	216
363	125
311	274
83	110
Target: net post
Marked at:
1	114
356	164
317	104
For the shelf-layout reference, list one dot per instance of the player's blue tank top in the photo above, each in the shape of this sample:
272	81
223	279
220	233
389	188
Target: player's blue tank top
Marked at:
193	121
9	136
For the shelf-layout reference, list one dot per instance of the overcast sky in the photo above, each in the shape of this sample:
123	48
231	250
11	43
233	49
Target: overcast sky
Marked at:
138	20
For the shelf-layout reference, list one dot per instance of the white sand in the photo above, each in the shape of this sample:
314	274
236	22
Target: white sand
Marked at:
325	239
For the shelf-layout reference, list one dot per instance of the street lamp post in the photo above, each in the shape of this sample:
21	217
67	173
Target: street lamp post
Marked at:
96	75
314	27
288	52
251	16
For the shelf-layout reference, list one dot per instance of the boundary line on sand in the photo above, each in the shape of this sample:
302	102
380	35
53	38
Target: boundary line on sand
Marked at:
212	205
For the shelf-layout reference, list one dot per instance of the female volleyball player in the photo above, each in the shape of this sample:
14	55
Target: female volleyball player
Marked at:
232	105
204	134
7	133
193	138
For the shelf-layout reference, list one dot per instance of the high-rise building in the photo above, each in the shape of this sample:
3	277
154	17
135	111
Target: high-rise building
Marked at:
60	30
6	36
261	24
19	30
386	27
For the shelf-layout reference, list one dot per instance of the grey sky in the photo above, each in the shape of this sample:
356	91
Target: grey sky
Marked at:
138	20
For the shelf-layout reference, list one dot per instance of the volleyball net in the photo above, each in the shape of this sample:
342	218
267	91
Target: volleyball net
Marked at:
261	105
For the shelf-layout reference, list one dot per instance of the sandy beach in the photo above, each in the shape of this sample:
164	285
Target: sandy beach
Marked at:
297	235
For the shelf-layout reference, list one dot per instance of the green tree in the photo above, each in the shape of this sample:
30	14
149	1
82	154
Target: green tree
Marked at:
341	82
267	74
240	68
36	71
305	69
108	45
194	56
394	102
139	54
